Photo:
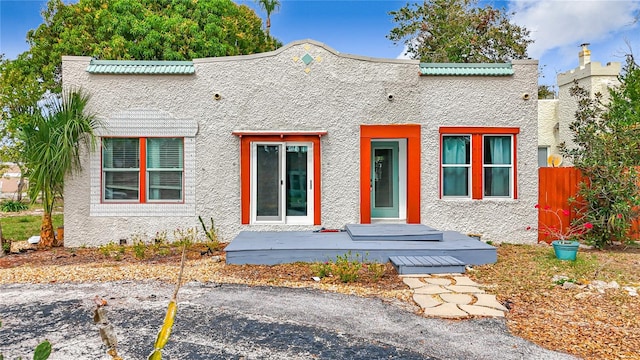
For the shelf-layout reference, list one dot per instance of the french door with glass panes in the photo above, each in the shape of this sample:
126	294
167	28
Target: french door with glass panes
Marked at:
282	182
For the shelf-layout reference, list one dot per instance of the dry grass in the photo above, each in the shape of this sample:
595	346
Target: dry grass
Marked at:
588	324
593	325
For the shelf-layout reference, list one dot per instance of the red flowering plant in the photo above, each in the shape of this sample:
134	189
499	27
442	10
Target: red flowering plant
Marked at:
561	232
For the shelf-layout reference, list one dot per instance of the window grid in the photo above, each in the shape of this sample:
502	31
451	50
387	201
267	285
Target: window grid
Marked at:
157	188
479	173
492	188
451	160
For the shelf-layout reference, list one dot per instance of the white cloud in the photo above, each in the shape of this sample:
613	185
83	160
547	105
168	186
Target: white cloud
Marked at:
566	24
404	54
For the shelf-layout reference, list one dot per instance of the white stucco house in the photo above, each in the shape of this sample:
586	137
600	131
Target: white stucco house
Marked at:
301	138
555	115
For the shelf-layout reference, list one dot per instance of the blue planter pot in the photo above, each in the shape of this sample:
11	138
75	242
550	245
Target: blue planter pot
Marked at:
565	250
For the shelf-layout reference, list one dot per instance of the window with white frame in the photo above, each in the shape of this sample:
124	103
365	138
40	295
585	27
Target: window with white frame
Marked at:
477	164
282	182
497	165
456	165
141	170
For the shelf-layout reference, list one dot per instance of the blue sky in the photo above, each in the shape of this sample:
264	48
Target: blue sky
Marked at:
360	26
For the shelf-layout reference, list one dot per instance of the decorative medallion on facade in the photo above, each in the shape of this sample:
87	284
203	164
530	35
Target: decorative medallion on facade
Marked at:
307	59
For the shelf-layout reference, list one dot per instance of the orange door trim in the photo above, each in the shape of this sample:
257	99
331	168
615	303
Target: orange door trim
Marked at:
245	169
411	132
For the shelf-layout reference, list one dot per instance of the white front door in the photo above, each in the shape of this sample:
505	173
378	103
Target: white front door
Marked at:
282	182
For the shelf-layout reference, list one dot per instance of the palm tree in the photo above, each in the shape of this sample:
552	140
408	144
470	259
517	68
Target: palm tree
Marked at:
269	6
52	143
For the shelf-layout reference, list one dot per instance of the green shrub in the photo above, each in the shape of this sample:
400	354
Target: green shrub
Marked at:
185	238
139	248
376	270
212	234
321	270
346	267
112	250
160	238
605	134
13	206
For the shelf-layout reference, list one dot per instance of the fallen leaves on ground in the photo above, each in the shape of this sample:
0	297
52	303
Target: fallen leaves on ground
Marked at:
594	325
87	265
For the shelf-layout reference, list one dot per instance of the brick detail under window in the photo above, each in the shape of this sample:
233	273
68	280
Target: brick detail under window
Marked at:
146	123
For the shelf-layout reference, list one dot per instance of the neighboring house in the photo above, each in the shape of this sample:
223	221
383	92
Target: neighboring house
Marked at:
301	138
9	180
555	115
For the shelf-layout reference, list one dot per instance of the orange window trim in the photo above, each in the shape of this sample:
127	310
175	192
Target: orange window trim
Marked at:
245	167
476	133
480	130
411	132
142	171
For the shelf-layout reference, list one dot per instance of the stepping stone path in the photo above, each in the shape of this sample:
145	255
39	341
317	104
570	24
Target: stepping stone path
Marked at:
452	296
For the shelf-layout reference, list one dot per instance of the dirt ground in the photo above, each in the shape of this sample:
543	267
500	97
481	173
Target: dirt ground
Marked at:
588	324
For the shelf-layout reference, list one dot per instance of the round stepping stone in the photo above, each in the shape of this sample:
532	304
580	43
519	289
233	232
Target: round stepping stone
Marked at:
413	283
426	301
461	299
464	281
431	290
438	281
446	310
464	289
481	311
489	300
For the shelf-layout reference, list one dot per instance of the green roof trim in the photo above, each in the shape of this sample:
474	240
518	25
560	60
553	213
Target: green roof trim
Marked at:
466	69
141	67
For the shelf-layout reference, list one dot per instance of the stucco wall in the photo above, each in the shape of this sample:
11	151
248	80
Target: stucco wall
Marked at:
338	93
548	136
595	78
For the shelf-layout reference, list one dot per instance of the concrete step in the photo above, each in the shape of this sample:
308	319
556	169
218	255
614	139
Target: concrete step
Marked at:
427	264
393	232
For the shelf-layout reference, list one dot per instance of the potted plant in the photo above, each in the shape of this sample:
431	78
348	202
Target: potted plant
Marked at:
565	245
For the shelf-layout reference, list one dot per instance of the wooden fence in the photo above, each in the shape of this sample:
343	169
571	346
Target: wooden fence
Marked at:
555	187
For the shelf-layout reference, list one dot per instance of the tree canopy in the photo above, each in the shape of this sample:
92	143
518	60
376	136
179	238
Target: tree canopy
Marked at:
120	30
141	30
458	31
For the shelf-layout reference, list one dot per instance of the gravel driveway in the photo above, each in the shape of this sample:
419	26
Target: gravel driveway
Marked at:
240	322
